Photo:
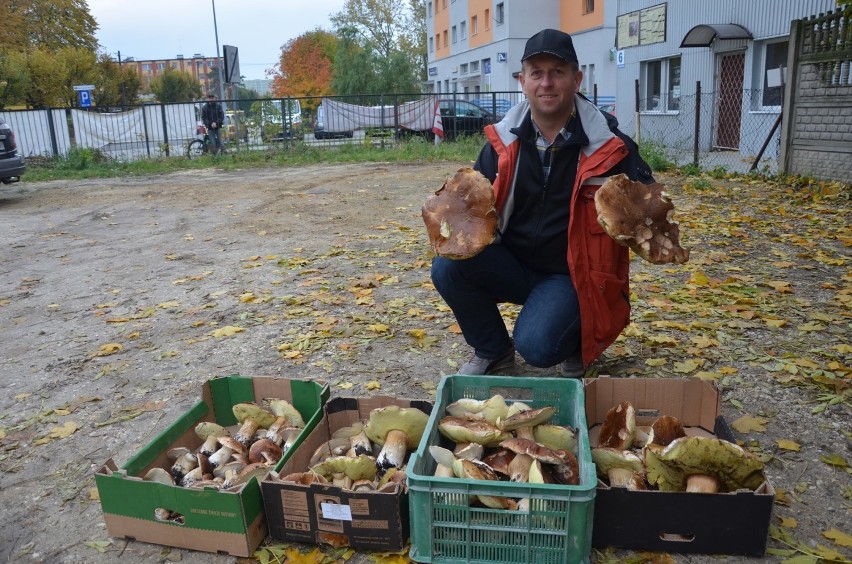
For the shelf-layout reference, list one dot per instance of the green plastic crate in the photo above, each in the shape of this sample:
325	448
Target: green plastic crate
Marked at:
558	526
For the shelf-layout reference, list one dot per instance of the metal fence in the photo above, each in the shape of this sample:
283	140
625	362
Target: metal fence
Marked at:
709	130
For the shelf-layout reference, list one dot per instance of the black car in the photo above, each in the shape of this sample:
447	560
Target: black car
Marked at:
458	118
12	164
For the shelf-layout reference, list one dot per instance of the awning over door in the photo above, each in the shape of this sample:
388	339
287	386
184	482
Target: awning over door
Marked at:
703	35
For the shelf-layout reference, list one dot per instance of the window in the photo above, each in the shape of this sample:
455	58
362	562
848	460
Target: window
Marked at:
438	41
431	44
474	67
428	9
463	68
661	81
589	79
588	6
146	67
775	56
161	66
474	29
499	14
446	43
455	35
463	29
487	24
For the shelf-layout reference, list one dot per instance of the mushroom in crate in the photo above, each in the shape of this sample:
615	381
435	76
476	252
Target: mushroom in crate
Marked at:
638	216
396	429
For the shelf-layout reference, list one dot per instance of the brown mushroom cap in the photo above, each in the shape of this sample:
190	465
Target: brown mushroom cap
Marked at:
264	450
619	427
664	430
460	218
533	449
637	215
526	418
500	460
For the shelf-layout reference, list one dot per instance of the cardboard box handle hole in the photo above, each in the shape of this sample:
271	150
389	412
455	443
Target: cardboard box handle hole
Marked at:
168	516
674	537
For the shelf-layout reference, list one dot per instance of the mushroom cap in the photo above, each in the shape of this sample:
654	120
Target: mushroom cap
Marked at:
526	418
283	408
231	443
557	437
409	420
260	450
567	473
358	468
470	451
478	431
533	449
606	458
500	460
256	413
159	475
460	217
664	430
735	467
207	429
304	478
473	469
442	456
491	409
175	453
233	467
637	215
333	447
619	427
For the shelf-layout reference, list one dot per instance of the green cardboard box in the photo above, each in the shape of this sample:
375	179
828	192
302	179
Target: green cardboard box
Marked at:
231	522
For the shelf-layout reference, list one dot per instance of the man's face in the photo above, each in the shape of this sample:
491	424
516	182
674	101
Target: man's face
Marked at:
550	84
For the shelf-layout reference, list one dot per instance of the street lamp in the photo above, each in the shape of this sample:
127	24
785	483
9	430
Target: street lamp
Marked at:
218	60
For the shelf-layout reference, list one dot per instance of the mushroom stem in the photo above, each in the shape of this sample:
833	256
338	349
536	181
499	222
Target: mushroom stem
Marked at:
245	435
525	433
703	483
619	477
393	452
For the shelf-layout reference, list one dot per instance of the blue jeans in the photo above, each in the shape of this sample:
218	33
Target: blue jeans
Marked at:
215	139
547	330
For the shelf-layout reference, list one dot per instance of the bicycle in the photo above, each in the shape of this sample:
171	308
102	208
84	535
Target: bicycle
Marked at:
199	147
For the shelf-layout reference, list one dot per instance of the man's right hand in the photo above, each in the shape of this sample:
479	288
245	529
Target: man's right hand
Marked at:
213	125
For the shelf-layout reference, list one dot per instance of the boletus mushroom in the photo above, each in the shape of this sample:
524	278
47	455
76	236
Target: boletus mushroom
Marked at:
619	428
283	409
617	466
183	461
209	432
265	451
476	470
703	464
460	217
664	430
361	467
229	447
479	431
396	429
638	216
491	410
251	417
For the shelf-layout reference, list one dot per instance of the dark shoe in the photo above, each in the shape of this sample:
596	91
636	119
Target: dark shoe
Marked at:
573	367
482	366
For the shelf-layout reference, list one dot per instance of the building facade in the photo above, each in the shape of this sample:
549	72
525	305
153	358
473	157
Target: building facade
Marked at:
476	45
198	66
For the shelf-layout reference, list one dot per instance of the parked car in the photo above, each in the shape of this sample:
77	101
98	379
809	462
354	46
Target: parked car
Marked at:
458	118
235	126
12	165
501	105
608	108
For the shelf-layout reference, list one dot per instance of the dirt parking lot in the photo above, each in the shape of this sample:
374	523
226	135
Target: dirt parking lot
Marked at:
112	292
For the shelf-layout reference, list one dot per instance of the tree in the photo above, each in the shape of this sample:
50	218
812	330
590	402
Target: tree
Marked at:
175	86
51	24
390	41
13	78
305	65
115	85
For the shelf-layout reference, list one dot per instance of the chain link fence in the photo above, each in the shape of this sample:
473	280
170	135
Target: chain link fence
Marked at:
735	131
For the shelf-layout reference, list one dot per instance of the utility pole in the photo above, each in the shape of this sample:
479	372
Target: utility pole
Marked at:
218	58
121	77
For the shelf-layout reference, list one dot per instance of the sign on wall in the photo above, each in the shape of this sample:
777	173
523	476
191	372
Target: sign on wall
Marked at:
642	27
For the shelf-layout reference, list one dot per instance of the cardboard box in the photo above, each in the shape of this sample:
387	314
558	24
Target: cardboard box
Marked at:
318	513
728	523
230	522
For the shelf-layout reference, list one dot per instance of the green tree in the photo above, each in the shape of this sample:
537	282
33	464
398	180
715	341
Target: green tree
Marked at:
175	86
80	67
50	24
46	84
383	46
14	77
115	85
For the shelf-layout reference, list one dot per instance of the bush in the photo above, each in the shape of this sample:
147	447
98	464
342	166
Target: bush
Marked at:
655	156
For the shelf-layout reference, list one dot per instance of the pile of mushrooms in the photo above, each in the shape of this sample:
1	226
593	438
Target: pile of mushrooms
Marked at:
497	441
226	461
367	456
666	459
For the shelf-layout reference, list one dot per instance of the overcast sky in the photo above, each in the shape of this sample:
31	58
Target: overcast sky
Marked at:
161	29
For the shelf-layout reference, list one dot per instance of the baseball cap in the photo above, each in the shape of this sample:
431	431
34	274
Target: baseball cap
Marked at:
552	42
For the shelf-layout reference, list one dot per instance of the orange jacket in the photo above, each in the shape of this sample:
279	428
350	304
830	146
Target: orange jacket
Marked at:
598	265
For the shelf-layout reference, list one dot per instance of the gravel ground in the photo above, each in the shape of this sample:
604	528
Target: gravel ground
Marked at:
325	270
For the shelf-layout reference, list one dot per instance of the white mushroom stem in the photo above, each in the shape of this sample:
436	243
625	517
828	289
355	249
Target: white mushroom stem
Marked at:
246	433
442	471
703	483
394	451
525	433
342	481
221	456
619	476
519	468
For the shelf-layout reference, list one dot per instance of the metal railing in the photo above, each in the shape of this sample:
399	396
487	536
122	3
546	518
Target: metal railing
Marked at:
705	129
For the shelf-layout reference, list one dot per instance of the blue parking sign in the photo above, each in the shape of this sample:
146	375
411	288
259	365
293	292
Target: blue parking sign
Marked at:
85	99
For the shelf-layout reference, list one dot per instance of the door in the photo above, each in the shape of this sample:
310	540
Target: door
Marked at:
729	101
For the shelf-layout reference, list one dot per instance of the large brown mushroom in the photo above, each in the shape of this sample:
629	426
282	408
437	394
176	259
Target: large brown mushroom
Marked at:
251	417
460	218
638	216
397	429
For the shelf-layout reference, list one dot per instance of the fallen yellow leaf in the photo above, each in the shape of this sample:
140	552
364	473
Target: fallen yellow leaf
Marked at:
839	538
747	423
226	331
378	328
787	444
345	385
373	385
67	429
169	305
94	494
789	522
108	349
655	361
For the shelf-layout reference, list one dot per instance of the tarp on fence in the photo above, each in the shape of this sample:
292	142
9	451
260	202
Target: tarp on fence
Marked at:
417	115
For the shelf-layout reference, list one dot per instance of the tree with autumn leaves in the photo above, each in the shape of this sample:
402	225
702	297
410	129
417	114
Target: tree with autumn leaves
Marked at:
305	65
